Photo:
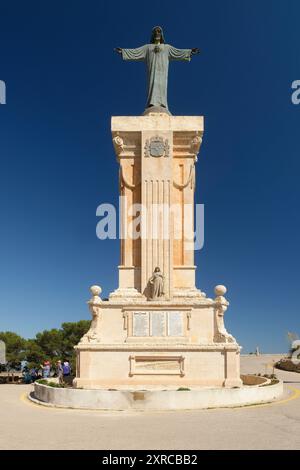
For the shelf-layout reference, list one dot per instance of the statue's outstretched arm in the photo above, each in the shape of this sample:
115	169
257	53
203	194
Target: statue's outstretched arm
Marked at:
182	54
179	54
139	53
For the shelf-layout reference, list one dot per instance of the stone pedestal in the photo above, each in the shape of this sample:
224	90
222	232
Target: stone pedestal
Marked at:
179	339
157	154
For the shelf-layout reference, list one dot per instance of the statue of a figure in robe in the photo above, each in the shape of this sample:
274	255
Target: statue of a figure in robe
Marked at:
157	55
156	282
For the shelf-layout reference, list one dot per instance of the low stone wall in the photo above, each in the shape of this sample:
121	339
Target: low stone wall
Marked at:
155	400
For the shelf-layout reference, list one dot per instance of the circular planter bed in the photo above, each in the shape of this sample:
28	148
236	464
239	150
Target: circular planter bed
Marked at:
155	400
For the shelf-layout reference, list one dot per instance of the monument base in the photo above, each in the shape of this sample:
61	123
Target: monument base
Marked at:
158	345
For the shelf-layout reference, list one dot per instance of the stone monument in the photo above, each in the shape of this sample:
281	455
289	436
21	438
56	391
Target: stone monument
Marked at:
157	330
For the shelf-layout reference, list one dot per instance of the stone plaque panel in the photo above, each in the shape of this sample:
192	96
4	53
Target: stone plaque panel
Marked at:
158	323
175	324
140	324
156	365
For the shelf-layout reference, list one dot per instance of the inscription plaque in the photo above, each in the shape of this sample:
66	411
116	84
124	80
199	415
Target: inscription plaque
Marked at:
175	324
156	365
158	323
141	324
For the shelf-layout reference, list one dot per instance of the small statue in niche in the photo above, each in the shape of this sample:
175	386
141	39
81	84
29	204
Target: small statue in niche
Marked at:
156	285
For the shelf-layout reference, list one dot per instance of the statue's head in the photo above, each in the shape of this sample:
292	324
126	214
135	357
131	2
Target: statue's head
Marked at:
157	35
157	269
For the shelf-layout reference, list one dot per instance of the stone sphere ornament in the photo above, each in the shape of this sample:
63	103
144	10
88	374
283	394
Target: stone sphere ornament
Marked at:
95	290
220	290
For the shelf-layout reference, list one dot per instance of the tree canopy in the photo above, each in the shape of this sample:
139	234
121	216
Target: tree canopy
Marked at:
50	345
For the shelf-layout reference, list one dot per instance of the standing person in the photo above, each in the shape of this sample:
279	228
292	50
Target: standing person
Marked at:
66	369
33	374
46	370
60	372
26	376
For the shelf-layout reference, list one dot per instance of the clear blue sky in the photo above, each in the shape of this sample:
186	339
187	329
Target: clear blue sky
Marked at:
57	162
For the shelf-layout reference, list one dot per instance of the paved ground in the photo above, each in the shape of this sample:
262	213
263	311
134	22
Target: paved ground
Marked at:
24	425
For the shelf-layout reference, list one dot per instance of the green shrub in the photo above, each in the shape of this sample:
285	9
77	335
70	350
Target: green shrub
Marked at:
42	382
55	384
50	384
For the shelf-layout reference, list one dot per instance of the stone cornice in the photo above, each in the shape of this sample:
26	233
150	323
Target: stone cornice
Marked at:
158	347
133	304
161	122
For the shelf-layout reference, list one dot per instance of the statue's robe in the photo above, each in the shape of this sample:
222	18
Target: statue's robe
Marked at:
157	68
157	283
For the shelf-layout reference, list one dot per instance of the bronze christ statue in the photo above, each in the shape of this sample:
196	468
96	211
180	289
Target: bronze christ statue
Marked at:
157	55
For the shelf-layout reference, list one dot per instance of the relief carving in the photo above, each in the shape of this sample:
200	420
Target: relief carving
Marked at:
118	144
157	147
195	145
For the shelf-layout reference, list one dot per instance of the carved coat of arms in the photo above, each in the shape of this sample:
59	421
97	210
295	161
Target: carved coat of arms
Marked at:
157	147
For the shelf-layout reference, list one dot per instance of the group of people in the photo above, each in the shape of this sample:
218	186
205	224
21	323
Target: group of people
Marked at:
62	370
